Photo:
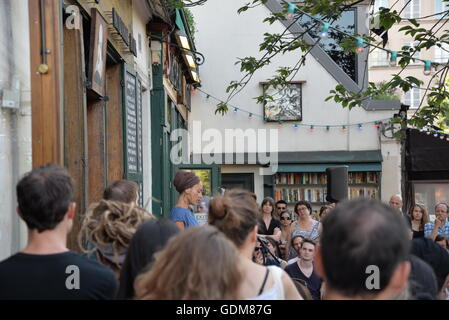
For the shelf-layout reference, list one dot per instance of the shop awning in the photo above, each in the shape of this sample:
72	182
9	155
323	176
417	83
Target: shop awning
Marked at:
353	167
368	160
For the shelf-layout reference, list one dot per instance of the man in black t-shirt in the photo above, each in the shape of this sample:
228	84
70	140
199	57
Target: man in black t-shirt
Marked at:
304	269
46	269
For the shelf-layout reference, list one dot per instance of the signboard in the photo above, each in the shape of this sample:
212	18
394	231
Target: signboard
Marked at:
132	128
122	30
97	59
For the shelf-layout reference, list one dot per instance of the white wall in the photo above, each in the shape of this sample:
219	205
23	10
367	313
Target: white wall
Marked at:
224	36
15	125
143	67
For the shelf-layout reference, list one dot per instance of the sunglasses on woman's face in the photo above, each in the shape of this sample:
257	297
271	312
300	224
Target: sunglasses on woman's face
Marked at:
285	218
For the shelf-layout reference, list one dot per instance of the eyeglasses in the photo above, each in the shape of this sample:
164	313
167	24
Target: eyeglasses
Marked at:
281	208
285	218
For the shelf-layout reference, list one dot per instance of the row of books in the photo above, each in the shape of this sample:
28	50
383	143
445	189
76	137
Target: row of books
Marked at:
300	178
321	178
292	195
363	192
299	194
362	177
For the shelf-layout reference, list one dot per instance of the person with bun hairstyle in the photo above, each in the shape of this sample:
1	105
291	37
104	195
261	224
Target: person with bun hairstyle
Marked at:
236	214
190	192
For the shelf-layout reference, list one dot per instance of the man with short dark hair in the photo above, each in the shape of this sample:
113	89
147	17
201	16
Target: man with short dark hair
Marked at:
363	252
281	206
303	269
46	269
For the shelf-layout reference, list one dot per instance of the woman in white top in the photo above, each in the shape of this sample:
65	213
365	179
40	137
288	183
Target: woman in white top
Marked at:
305	226
236	215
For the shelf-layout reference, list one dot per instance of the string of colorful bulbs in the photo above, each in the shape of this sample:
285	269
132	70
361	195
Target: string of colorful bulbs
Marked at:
251	115
360	42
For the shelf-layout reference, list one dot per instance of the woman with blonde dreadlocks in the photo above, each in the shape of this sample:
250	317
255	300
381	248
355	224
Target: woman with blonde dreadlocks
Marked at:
107	228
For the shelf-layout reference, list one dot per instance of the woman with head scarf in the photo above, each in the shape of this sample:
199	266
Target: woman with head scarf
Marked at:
190	191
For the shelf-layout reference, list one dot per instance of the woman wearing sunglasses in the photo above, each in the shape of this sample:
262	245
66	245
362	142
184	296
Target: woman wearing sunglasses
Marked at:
286	232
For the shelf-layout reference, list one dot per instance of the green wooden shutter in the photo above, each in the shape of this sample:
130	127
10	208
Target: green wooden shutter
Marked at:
132	128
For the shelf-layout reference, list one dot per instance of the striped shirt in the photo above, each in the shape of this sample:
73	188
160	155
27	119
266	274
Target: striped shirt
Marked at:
444	230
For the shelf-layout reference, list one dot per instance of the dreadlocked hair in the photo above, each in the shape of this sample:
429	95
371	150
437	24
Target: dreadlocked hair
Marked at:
110	224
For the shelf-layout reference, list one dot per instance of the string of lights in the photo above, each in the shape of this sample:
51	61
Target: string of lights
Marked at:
360	42
311	127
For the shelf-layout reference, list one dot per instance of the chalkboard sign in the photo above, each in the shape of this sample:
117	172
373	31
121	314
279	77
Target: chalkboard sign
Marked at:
132	128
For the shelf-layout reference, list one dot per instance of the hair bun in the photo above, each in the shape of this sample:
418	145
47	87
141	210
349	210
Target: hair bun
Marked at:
217	207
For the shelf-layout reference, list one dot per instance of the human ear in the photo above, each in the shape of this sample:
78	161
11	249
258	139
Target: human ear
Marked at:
399	278
71	211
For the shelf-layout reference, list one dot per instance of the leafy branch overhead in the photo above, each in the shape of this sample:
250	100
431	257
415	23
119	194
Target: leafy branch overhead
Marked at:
432	110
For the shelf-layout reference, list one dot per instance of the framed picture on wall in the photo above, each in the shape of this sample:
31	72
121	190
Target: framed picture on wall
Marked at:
286	104
97	58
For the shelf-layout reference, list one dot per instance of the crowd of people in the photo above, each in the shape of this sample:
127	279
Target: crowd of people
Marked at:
356	249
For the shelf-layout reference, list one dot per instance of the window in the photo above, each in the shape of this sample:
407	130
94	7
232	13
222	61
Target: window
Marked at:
380	4
412	10
286	104
411	46
431	193
331	45
378	58
441	6
442	54
412	98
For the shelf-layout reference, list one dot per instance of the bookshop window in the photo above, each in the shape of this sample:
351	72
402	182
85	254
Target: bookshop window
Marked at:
429	194
312	186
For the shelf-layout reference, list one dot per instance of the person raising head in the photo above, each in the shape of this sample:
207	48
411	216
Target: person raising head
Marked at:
190	192
418	218
198	264
236	214
305	226
363	240
122	190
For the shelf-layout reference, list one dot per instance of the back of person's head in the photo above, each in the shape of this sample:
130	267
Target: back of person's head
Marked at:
110	225
357	236
423	282
435	255
149	238
183	269
121	190
44	196
235	214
